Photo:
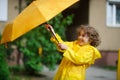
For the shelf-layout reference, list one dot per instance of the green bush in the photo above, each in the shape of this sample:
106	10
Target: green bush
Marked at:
29	43
4	71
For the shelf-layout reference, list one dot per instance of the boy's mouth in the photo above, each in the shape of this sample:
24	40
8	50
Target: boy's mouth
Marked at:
81	40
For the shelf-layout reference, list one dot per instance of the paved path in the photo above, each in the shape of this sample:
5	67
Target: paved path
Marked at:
93	73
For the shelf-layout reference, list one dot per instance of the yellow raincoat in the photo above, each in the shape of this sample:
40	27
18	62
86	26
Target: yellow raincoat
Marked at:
75	60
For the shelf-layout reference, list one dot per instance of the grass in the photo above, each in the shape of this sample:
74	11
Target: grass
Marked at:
113	68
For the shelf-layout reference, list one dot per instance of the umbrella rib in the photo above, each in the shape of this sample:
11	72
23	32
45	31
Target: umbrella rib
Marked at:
42	15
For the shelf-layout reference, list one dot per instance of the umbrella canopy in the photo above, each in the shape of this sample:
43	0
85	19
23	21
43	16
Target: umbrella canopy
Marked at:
36	13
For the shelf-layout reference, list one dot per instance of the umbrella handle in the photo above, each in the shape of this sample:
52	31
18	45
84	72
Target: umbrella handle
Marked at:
51	30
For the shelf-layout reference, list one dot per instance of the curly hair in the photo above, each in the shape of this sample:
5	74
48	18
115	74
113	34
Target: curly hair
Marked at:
93	35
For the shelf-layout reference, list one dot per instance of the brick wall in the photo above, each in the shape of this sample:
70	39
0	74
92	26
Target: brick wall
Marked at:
109	58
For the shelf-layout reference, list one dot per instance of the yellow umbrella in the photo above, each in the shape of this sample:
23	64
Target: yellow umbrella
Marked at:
36	13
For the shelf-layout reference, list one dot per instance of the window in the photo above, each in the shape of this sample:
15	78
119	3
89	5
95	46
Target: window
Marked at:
113	13
3	10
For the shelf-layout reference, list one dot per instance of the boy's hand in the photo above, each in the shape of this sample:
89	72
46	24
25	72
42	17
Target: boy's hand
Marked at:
62	46
51	30
49	27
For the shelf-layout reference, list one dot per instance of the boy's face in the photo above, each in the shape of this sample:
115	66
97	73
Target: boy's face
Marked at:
83	38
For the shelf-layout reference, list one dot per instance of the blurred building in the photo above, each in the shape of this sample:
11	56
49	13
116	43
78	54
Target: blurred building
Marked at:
104	15
9	9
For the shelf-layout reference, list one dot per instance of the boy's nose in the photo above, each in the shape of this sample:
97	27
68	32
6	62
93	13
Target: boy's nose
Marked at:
80	37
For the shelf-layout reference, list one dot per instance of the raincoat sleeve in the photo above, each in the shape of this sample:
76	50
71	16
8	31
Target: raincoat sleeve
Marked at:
85	55
55	41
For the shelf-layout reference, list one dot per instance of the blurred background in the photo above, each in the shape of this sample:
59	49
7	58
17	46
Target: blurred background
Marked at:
33	52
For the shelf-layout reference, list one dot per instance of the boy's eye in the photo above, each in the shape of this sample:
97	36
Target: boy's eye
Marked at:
83	35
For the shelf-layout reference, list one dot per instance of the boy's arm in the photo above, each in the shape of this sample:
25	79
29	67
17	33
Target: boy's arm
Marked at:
56	42
55	37
83	56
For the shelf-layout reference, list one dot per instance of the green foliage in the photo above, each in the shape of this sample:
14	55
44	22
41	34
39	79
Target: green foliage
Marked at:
39	37
4	71
16	69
